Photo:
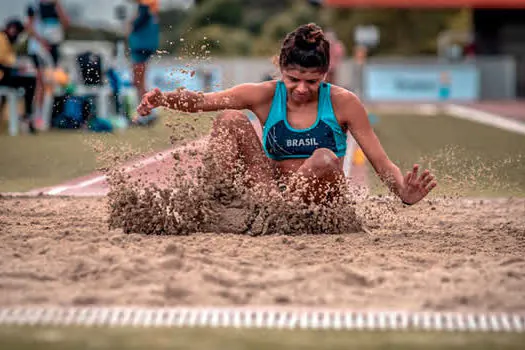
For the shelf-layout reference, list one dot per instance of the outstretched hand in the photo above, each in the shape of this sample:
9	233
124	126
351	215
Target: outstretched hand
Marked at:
416	188
151	100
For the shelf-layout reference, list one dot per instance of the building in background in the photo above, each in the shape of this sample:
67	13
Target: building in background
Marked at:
502	32
499	28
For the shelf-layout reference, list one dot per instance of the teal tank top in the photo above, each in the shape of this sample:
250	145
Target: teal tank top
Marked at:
145	34
281	141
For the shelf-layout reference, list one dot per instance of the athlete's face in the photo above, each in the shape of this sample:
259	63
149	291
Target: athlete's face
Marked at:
302	84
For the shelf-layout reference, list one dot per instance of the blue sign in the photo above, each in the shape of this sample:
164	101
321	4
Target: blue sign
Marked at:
166	78
421	83
203	79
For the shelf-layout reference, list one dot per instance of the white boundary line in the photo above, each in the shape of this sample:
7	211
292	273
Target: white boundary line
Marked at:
140	164
270	318
486	118
351	145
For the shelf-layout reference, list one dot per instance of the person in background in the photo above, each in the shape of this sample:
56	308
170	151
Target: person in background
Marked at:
337	55
9	74
46	26
143	41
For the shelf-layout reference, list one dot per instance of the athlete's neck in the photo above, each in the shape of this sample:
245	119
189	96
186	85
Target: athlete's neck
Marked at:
294	105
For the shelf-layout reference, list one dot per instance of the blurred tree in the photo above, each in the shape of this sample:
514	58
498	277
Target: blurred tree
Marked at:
176	24
461	21
216	40
258	12
226	12
264	23
276	28
402	31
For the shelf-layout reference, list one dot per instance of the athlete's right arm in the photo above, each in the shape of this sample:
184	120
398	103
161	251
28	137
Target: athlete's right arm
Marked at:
243	96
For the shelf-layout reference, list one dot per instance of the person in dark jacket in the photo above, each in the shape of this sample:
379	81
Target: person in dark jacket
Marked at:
9	74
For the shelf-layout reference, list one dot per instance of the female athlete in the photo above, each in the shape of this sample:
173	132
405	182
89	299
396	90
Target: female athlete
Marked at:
304	121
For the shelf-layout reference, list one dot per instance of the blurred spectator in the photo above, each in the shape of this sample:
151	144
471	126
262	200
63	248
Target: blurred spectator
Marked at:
469	49
10	76
143	42
337	55
46	25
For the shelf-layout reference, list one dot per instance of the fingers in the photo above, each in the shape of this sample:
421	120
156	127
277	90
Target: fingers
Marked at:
154	98
424	176
144	109
425	182
415	169
150	101
408	177
425	190
430	186
411	176
426	179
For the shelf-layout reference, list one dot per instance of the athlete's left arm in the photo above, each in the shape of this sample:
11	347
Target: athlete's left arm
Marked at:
351	112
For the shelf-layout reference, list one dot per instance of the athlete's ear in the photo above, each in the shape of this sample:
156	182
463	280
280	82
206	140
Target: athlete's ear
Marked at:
282	71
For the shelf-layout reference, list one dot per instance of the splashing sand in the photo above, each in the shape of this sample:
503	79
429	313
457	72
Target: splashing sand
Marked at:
196	195
204	198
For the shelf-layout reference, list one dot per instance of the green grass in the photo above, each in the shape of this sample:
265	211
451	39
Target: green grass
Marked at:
23	338
467	157
49	158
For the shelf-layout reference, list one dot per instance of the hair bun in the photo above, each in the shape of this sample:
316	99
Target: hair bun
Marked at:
308	36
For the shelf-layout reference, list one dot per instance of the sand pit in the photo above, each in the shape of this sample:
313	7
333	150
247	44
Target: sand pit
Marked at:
462	255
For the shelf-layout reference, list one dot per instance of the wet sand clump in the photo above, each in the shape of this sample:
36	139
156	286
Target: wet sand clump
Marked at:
201	198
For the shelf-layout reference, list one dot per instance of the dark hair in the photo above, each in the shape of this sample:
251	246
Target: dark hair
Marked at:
306	47
14	22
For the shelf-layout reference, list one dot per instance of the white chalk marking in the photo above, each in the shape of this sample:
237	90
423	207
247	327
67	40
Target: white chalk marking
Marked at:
486	118
351	145
57	190
137	165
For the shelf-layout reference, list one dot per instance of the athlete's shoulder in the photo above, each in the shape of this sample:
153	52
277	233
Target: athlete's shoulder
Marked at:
259	92
342	96
346	104
266	86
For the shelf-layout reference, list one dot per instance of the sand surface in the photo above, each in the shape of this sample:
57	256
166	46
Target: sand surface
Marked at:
460	255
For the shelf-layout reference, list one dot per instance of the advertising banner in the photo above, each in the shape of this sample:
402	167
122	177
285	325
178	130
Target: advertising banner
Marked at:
168	78
421	82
